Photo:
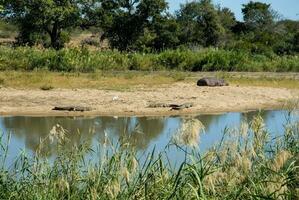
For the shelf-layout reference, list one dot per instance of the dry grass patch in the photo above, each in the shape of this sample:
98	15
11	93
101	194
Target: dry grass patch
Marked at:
265	80
272	82
128	80
98	80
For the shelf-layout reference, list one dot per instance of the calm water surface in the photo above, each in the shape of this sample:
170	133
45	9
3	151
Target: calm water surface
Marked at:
145	133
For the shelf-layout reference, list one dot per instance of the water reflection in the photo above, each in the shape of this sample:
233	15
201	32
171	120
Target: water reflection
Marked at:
144	133
138	131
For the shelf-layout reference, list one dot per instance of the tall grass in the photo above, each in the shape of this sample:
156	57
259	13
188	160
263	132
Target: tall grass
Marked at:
246	164
85	60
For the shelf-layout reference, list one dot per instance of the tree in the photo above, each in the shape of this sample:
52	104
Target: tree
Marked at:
200	23
1	8
262	34
167	31
258	15
161	35
187	18
285	31
124	21
228	22
296	42
42	19
227	18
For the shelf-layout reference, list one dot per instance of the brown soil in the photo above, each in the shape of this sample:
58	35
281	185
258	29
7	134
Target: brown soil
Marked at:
129	103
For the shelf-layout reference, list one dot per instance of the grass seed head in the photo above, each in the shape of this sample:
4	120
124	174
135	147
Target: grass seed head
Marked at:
113	189
126	174
62	185
57	133
280	160
189	132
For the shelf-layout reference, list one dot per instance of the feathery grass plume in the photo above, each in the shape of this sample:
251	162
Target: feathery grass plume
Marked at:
213	181
292	105
277	187
189	132
244	128
113	189
126	174
260	135
280	160
62	185
57	133
134	164
94	194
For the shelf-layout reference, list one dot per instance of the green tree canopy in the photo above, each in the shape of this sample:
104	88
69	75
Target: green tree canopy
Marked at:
39	19
296	42
258	15
125	21
146	25
259	33
200	23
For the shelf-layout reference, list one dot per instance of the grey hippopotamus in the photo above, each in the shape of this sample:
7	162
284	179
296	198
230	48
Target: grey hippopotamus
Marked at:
211	82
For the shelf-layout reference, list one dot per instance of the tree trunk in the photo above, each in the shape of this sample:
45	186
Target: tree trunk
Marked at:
55	37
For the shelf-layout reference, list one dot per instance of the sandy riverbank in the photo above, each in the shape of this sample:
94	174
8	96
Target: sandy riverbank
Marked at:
136	102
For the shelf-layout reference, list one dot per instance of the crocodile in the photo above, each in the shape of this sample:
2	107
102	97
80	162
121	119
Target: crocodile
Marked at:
72	108
172	106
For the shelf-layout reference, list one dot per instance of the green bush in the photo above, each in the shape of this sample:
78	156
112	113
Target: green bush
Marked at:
178	59
85	60
144	62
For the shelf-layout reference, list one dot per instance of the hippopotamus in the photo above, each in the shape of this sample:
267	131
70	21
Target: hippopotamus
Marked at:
211	82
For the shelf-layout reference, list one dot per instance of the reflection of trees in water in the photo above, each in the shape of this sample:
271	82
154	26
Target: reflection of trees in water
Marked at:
248	116
35	129
150	129
208	120
138	131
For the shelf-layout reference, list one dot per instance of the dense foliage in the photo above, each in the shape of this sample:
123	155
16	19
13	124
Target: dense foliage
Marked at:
85	60
146	25
42	20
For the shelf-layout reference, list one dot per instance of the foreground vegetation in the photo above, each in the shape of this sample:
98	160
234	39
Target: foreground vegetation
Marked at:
84	60
246	164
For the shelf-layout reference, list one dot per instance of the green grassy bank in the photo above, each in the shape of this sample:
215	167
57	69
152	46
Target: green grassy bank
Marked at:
134	80
246	164
107	80
85	60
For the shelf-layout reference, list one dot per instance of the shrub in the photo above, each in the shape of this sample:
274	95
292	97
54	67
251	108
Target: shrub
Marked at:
85	60
144	62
